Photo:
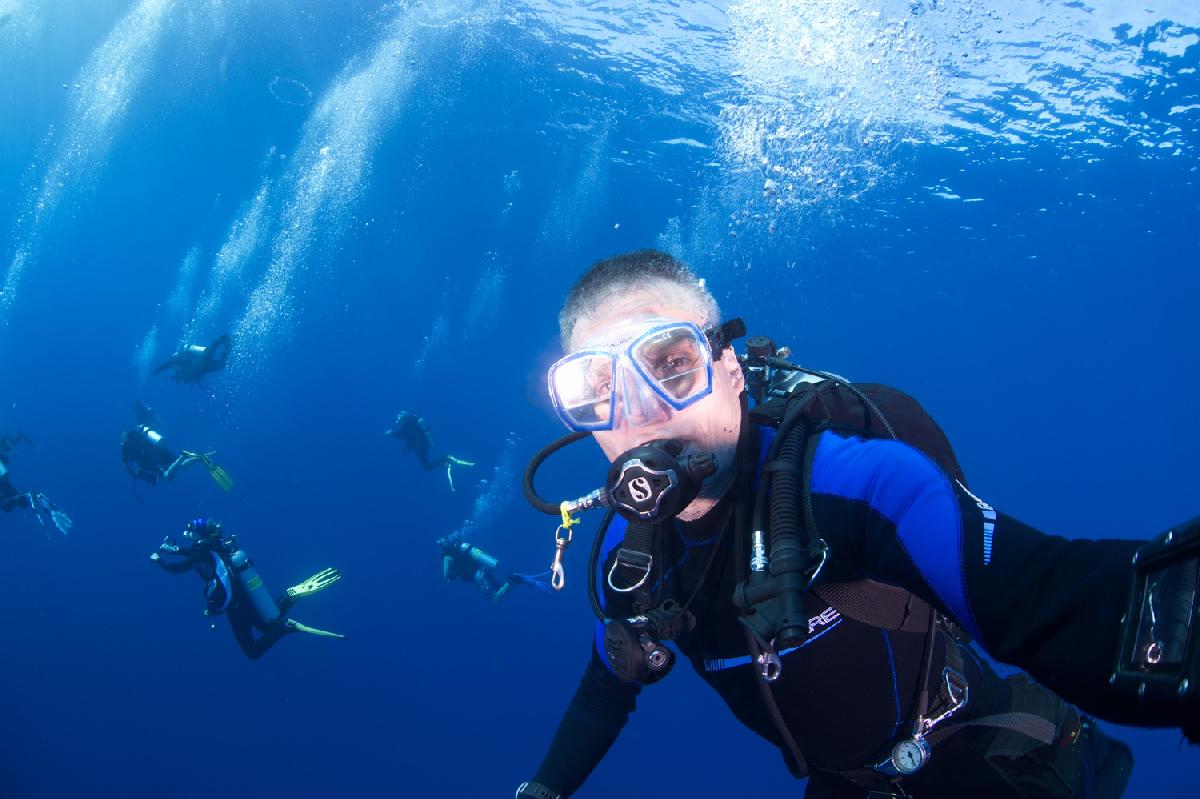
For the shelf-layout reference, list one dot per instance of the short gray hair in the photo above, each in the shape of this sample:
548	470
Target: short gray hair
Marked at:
628	271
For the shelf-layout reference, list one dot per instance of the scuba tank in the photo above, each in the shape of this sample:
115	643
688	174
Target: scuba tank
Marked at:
260	599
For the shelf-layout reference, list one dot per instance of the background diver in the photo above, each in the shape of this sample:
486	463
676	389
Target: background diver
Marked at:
189	364
233	587
412	430
464	561
145	455
36	501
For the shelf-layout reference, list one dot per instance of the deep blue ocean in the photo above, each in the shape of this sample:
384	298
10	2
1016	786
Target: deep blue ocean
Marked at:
992	206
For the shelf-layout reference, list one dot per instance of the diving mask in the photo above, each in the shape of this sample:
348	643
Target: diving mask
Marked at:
649	372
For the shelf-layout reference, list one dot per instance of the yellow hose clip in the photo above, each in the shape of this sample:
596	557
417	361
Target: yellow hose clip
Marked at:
562	538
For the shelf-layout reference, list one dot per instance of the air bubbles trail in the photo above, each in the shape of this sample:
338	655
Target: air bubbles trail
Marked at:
105	88
494	493
326	177
242	241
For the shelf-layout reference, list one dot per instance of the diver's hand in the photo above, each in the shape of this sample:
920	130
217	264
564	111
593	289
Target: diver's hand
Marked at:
154	556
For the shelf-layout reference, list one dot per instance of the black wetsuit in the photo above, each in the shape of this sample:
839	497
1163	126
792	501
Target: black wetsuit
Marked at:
849	691
10	497
242	617
412	431
189	365
144	456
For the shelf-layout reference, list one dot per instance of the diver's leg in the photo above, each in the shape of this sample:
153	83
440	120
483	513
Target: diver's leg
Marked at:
180	461
503	590
284	602
422	453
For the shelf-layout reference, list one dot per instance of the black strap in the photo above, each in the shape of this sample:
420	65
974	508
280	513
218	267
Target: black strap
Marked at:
876	604
1040	729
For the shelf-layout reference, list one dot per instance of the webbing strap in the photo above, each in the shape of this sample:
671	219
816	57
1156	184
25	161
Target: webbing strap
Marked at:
1040	729
877	605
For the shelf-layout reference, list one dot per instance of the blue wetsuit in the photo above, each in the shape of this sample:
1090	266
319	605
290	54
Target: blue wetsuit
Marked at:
1041	602
848	692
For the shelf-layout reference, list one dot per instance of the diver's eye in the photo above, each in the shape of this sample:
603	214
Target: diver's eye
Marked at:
675	363
601	392
678	364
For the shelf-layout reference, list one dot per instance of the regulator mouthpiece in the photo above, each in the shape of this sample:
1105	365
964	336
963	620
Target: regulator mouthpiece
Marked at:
652	482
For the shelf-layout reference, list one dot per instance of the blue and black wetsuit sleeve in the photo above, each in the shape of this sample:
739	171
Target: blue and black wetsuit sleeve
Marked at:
593	720
1041	602
187	559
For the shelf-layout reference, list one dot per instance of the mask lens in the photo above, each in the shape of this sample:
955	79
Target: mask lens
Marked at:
676	361
582	389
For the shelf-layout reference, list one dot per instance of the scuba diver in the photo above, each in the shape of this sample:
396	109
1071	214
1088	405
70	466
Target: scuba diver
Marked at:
232	586
464	561
412	430
822	565
48	514
191	363
145	455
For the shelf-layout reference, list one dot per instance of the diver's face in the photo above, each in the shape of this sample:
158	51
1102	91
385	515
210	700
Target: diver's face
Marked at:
712	424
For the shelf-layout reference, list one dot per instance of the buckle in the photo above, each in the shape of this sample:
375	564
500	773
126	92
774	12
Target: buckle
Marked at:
633	559
954	695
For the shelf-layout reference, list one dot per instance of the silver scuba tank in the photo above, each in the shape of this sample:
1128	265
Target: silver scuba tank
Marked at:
264	606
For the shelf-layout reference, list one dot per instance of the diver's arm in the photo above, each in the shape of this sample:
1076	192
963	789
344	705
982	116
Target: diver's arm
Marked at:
188	559
593	720
1041	602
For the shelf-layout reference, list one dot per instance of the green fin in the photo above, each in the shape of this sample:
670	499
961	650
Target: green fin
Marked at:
219	475
318	582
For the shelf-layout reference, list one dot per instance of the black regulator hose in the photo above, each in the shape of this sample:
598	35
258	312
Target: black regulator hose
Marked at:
531	494
787	549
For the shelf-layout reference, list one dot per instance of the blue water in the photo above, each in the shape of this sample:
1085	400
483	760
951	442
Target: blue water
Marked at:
990	205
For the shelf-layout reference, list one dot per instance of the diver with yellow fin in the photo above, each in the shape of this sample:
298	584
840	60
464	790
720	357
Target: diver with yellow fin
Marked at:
234	587
146	457
412	430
